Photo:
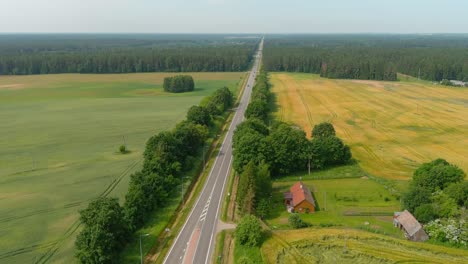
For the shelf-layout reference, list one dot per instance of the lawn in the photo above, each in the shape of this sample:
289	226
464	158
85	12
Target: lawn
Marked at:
333	245
347	198
392	127
59	148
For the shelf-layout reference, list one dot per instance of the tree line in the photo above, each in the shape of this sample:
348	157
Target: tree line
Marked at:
263	151
108	226
179	84
122	53
369	57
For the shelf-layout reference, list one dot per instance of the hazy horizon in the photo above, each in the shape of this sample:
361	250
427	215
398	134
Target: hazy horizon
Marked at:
234	17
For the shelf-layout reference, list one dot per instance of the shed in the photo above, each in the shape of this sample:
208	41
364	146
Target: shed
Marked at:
413	229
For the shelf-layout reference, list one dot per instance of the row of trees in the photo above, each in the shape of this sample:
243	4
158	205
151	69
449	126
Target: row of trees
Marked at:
179	84
438	195
130	60
261	150
107	226
376	61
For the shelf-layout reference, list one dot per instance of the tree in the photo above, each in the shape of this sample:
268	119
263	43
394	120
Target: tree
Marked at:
104	232
220	101
326	151
257	109
191	136
199	115
163	154
263	208
458	192
444	206
145	193
246	189
416	196
249	231
248	147
296	222
437	174
324	129
263	184
425	213
288	149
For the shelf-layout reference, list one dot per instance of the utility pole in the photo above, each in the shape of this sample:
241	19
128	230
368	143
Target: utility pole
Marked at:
419	74
125	143
309	166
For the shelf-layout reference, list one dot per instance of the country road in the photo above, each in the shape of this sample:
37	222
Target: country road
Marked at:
196	241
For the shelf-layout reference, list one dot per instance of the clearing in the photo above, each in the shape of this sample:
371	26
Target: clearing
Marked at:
59	148
391	127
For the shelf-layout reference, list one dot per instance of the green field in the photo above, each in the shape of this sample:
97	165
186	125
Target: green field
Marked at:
345	197
59	148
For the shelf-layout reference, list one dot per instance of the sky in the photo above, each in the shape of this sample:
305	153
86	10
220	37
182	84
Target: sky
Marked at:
234	16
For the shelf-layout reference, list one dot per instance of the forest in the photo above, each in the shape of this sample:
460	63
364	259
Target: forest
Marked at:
370	57
47	54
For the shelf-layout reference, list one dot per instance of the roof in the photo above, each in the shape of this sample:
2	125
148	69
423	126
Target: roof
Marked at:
409	223
300	192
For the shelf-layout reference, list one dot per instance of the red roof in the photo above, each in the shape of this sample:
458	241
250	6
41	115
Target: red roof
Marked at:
300	192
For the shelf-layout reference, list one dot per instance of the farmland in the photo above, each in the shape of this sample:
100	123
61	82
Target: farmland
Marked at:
350	199
59	148
332	245
391	127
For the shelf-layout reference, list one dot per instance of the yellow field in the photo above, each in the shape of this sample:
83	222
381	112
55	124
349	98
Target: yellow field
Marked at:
392	127
333	245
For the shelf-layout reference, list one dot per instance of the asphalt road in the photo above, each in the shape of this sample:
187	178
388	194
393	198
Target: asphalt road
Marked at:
196	241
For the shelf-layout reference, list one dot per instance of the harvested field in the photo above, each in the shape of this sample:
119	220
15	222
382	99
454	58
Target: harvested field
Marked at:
392	127
332	245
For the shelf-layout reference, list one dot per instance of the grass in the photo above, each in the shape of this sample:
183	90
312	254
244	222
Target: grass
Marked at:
337	245
392	127
61	150
243	253
347	198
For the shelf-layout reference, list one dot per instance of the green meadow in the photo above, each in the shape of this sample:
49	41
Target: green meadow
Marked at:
59	149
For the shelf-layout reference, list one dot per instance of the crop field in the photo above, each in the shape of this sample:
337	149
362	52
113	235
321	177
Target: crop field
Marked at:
332	245
391	127
59	149
349	199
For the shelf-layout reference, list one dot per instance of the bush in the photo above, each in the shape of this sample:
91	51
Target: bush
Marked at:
452	231
249	231
296	222
122	149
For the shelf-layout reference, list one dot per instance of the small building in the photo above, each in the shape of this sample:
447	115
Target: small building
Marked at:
299	199
413	229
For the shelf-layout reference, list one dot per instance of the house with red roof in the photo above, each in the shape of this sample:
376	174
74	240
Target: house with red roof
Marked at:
299	199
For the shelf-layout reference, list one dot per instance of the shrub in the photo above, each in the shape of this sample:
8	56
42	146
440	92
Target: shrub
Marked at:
296	222
249	231
123	149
